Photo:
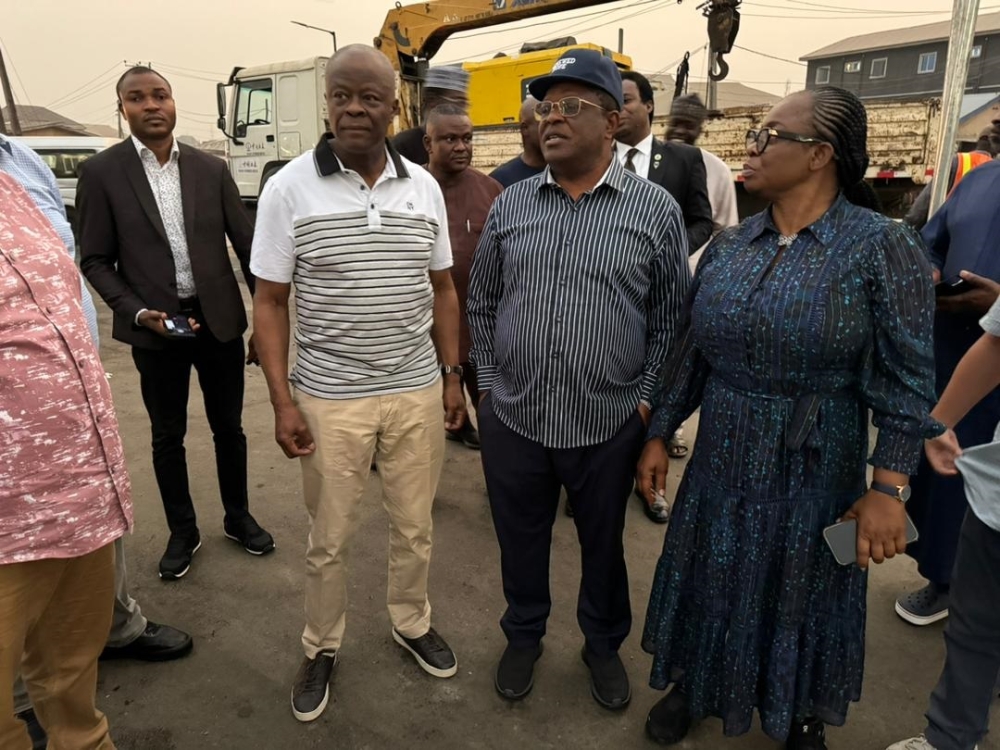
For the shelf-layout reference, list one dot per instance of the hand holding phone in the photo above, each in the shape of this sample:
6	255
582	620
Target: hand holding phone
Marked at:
842	539
951	287
178	326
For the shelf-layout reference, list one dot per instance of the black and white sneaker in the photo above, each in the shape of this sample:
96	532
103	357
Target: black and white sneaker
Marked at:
807	735
311	691
248	533
433	655
176	561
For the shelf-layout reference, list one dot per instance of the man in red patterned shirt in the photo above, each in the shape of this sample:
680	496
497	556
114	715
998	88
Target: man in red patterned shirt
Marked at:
65	495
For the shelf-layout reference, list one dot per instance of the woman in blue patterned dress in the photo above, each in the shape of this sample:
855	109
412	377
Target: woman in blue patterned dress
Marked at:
802	319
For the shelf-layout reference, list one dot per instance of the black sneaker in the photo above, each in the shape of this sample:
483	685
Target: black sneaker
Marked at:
608	680
807	735
431	652
248	533
311	691
155	643
176	561
670	719
516	671
466	435
39	740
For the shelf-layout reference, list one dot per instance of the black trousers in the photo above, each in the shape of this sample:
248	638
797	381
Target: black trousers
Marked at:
524	479
959	712
165	377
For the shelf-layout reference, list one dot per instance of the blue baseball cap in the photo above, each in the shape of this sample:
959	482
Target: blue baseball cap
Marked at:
586	66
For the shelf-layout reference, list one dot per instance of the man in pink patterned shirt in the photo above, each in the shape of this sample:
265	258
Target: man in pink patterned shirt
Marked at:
64	490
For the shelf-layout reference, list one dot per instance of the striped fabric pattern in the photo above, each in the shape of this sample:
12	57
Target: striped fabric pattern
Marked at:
573	306
359	259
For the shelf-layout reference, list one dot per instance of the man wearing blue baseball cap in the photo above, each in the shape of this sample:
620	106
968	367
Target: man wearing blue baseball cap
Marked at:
574	302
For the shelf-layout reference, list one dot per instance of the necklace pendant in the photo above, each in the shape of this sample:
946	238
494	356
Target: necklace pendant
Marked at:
786	240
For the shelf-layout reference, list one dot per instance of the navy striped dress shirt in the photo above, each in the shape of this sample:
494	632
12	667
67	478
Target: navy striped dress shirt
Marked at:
574	305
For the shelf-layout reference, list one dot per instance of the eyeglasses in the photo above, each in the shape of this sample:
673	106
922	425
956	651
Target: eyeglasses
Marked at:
761	138
568	107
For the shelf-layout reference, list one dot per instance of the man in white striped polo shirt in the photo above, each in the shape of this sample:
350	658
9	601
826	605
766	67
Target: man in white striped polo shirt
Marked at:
363	234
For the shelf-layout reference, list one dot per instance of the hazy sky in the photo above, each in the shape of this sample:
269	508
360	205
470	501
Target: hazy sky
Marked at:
67	54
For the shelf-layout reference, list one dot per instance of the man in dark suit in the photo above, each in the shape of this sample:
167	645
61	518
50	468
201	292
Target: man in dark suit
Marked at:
154	215
674	166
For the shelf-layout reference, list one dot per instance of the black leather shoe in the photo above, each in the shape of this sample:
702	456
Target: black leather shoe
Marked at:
39	740
157	643
516	671
311	691
660	514
608	680
248	534
433	655
176	561
670	719
807	735
466	435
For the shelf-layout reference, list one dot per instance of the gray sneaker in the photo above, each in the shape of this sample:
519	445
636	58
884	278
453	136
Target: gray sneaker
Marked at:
311	691
916	743
923	607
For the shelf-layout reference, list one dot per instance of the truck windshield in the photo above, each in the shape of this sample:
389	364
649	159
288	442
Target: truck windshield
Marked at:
254	106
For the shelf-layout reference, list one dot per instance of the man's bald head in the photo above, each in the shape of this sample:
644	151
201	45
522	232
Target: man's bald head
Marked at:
527	113
355	58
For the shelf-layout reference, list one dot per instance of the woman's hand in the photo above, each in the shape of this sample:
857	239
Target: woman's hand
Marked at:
881	527
651	472
942	452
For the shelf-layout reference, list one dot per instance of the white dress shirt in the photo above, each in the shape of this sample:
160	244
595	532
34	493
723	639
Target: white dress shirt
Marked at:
722	196
165	182
642	159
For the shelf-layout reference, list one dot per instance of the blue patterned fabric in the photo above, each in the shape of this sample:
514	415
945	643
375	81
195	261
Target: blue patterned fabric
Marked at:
27	167
785	353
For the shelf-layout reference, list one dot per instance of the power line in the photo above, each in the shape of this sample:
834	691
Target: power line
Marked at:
772	57
10	59
840	8
553	21
85	85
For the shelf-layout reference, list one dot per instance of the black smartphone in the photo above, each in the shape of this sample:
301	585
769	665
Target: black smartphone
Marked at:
842	539
178	327
951	287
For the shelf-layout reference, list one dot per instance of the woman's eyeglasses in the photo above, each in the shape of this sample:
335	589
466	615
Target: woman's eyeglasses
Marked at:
568	107
761	138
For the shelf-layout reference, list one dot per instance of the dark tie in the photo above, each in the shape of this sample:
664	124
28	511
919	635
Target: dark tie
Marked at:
629	156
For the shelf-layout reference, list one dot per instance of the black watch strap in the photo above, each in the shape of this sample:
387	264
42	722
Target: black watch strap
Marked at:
897	493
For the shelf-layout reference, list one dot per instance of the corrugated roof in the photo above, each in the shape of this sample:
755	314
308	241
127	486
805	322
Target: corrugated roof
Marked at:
36	118
728	93
930	32
973	103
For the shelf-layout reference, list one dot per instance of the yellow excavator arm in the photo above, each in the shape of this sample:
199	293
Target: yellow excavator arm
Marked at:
413	34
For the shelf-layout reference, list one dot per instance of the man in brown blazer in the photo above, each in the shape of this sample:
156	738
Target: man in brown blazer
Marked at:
154	216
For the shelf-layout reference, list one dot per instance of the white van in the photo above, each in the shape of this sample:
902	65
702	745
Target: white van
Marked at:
64	155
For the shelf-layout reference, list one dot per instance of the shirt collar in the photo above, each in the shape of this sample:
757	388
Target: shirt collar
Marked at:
613	177
823	229
327	162
141	148
5	144
644	147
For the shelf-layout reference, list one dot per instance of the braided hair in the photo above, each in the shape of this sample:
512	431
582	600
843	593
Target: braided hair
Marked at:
840	118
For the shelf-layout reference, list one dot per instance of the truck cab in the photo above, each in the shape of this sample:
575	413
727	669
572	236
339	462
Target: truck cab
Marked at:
271	114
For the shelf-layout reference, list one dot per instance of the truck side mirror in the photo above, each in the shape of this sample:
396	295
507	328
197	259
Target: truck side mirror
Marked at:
220	97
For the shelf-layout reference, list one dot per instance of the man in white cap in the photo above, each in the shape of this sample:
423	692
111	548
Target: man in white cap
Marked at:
443	85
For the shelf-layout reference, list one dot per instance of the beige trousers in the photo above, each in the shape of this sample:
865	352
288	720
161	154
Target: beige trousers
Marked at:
54	622
406	433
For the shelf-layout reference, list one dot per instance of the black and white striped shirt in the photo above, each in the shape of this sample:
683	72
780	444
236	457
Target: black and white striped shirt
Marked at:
573	306
359	259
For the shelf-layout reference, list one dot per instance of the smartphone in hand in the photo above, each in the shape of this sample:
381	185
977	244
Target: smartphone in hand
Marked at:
842	539
952	287
178	327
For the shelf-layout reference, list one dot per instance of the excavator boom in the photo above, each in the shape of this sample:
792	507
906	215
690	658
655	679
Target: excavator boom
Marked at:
414	33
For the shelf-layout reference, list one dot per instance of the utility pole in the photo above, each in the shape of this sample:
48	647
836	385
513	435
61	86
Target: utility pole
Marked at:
963	29
621	41
3	126
15	121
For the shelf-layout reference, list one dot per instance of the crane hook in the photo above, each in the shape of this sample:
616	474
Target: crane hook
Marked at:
723	68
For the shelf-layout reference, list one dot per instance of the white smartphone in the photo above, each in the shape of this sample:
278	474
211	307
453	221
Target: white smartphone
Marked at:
842	539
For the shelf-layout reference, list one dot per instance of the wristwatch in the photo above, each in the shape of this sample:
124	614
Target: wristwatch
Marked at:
900	492
453	370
